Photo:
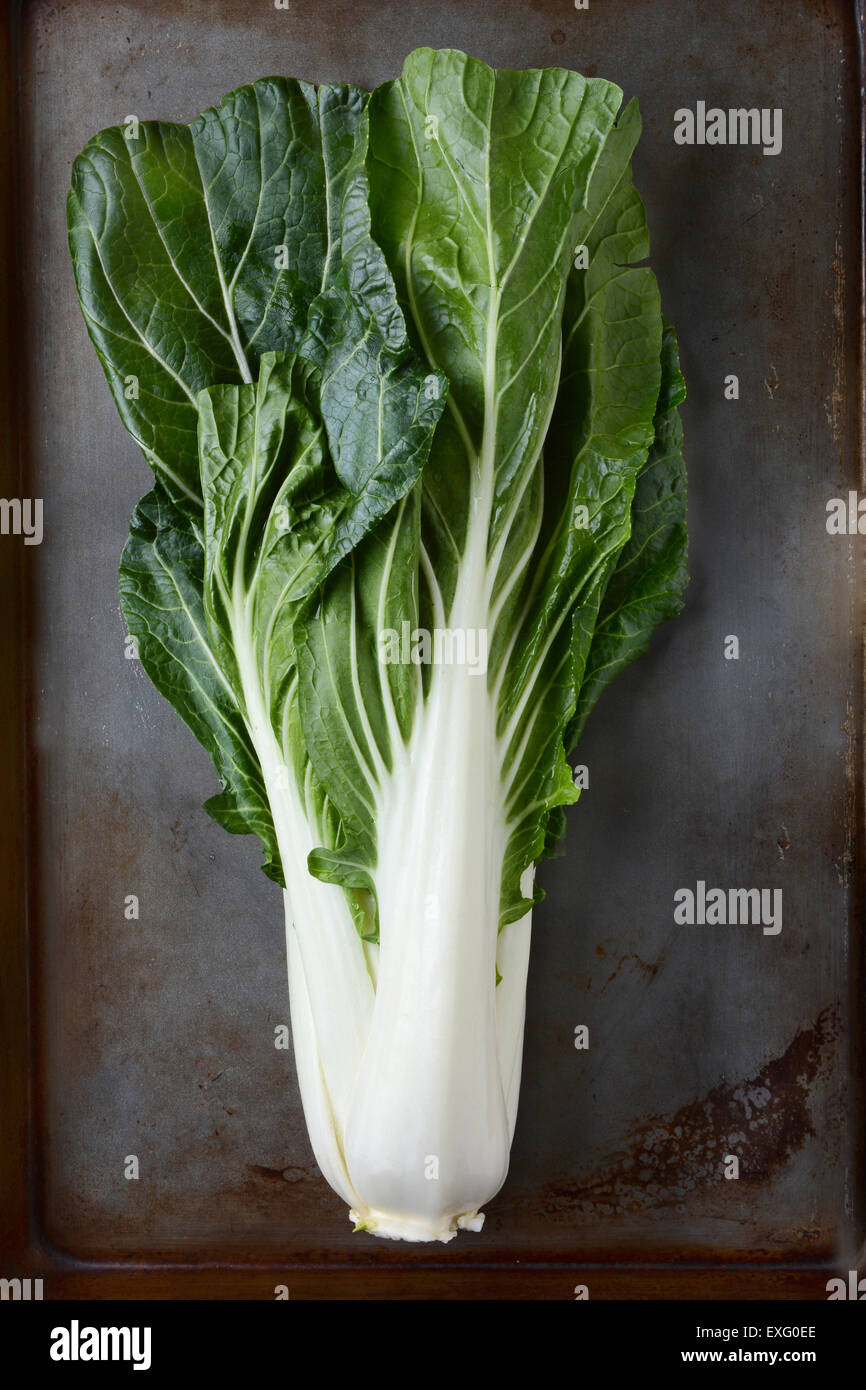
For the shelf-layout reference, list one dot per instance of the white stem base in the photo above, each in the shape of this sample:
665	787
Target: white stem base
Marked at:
390	1227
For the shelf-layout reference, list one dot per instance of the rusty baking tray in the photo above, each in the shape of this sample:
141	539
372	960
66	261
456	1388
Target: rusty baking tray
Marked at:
156	1037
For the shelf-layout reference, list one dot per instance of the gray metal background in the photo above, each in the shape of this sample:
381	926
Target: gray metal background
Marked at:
156	1037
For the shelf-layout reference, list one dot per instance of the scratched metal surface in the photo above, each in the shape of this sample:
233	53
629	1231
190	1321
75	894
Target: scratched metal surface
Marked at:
156	1038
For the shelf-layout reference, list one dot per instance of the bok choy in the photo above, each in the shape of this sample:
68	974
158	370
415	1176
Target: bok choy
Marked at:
411	408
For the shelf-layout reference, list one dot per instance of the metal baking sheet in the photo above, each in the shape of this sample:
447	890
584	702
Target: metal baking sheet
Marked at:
156	1037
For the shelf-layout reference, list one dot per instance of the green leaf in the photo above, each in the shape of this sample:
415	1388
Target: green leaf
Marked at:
647	586
198	248
477	180
600	434
482	186
477	183
174	235
277	522
161	575
357	710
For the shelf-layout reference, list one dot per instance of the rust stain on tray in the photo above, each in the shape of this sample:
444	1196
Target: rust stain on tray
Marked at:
609	951
763	1120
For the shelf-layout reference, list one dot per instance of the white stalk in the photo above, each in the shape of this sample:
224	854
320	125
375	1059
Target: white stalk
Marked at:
412	1124
512	963
427	1138
408	1062
330	984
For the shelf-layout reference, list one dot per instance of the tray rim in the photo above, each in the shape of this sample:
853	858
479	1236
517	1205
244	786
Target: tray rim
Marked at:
25	1250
